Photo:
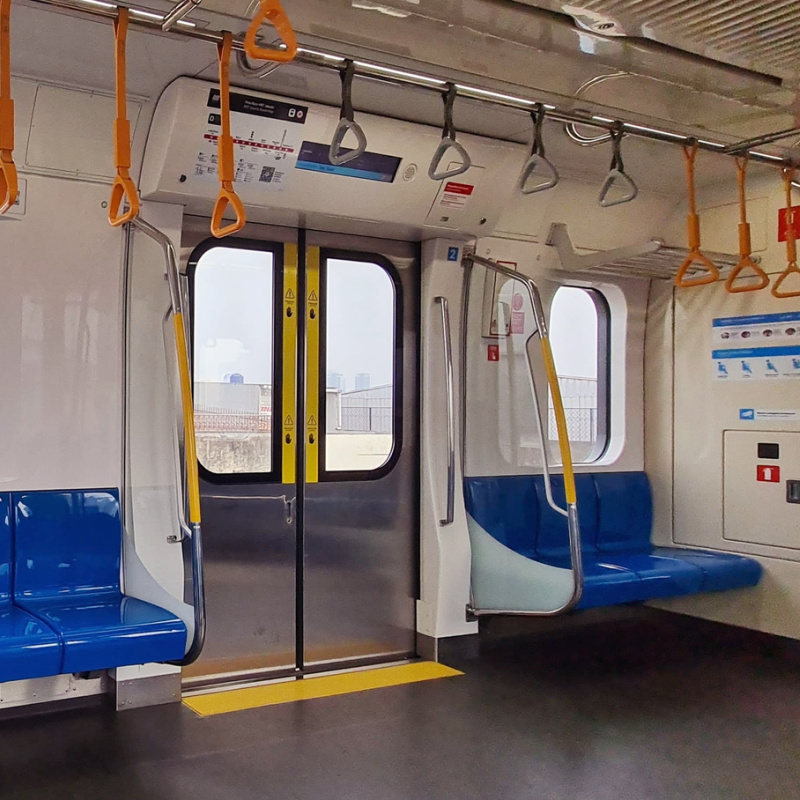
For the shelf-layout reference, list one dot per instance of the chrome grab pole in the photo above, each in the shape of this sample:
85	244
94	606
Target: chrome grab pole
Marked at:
181	9
192	530
571	512
451	416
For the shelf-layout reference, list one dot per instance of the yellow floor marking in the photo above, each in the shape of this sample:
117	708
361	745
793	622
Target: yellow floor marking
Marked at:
225	702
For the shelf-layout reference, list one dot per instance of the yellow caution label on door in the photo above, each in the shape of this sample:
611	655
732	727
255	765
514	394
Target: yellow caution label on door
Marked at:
312	364
288	430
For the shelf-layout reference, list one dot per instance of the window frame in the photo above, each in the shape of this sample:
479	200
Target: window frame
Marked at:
277	249
341	476
604	366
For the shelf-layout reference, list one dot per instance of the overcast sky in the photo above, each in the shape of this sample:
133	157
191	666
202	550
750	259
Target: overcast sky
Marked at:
234	321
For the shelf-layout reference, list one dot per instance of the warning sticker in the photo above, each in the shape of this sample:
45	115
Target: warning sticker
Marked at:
456	195
756	348
783	224
267	135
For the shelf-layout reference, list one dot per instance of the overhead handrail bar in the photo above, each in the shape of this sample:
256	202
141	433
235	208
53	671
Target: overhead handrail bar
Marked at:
695	255
271	11
124	189
347	123
745	243
617	174
190	488
571	512
9	184
451	412
147	19
537	158
225	166
449	142
788	172
181	10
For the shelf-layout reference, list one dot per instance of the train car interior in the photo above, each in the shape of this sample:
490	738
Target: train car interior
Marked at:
401	399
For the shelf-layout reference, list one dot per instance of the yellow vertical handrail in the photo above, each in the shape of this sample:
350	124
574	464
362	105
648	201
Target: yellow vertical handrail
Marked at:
124	188
9	184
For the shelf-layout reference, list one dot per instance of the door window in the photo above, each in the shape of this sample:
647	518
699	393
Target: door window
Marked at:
234	357
359	371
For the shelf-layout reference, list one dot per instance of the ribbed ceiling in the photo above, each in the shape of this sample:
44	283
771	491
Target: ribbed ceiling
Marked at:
759	35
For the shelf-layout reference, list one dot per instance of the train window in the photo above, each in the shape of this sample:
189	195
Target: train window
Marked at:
234	341
359	345
579	321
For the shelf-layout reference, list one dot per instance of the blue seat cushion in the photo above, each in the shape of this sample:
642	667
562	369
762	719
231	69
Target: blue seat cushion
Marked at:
624	511
604	584
660	576
721	571
103	632
28	647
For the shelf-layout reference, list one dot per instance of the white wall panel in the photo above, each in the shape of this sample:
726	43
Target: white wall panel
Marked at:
60	352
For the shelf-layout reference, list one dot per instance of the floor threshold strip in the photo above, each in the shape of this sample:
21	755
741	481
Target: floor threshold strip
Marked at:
227	701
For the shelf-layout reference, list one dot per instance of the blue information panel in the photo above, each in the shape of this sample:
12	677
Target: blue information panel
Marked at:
758	347
369	166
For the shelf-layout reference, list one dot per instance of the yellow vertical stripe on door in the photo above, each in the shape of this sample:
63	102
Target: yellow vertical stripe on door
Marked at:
288	423
312	364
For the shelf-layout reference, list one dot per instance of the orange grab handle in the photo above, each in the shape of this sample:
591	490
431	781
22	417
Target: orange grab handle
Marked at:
710	272
227	172
124	189
9	185
791	241
745	247
271	11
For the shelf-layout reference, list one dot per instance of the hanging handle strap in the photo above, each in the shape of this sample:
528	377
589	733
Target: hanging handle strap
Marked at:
791	241
695	258
347	123
617	175
745	245
9	185
271	11
227	171
124	189
537	161
449	143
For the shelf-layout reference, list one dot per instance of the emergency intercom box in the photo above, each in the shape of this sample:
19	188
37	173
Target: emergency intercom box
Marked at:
761	470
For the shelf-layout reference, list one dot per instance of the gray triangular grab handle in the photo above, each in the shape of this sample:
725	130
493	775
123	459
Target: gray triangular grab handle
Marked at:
445	145
531	166
617	176
336	155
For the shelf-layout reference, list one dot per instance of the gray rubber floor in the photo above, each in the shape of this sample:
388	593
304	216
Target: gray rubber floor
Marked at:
651	708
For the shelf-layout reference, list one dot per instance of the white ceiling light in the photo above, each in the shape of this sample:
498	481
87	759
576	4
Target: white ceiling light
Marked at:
365	5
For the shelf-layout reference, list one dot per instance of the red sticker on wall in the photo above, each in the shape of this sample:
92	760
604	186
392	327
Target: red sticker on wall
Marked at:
782	225
768	474
493	352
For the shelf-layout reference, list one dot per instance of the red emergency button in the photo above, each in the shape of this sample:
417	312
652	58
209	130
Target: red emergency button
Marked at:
768	474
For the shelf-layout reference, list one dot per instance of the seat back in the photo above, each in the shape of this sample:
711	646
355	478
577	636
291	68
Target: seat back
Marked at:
625	515
615	511
66	543
505	508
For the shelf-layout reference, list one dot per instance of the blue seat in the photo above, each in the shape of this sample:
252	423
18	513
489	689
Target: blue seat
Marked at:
616	516
28	647
67	574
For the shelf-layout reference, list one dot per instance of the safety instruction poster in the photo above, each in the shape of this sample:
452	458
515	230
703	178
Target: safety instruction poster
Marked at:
267	135
761	347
